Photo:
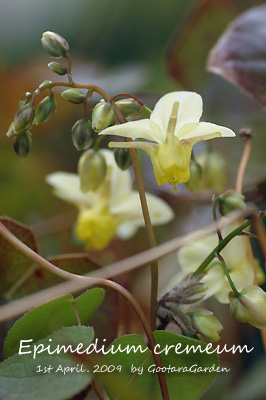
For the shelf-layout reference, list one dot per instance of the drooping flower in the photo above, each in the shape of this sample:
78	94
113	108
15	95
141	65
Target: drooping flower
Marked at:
175	128
250	306
206	324
235	255
112	210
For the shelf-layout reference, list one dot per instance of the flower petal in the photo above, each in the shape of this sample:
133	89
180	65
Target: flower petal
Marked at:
145	129
189	110
160	213
120	181
191	256
194	133
67	187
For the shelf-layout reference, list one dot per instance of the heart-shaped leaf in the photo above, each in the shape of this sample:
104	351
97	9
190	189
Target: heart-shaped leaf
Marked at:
24	378
188	373
51	316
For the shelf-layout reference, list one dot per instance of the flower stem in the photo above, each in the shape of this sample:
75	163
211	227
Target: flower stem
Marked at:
139	182
218	230
246	136
96	281
150	235
221	245
231	283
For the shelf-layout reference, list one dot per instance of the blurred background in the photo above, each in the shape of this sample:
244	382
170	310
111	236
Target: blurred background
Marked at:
146	48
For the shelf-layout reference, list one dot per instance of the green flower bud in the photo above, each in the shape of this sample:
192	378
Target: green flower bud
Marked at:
44	83
11	131
103	115
128	106
22	144
57	68
45	110
82	134
24	99
230	201
214	172
54	44
92	170
195	176
73	96
24	118
206	324
250	307
122	158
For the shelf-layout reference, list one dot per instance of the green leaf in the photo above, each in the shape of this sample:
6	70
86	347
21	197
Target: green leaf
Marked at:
188	385
51	316
19	379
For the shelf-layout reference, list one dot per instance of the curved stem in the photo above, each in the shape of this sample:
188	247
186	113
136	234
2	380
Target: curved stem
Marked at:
257	225
218	230
231	283
69	73
96	281
247	138
131	96
220	247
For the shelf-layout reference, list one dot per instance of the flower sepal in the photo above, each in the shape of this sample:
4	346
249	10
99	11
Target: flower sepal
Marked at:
250	306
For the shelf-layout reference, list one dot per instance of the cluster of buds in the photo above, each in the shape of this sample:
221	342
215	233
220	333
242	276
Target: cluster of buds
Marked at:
57	47
176	306
26	116
19	129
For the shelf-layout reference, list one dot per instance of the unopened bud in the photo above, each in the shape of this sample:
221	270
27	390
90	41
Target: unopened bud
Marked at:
206	324
24	99
73	96
122	158
57	68
92	170
22	144
45	110
128	106
82	134
54	44
231	200
103	115
11	131
24	118
250	307
44	83
214	172
195	176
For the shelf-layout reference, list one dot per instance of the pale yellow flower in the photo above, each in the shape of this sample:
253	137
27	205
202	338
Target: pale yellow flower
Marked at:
112	210
250	306
175	128
235	255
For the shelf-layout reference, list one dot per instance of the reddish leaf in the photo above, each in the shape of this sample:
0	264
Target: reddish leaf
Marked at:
240	54
193	40
13	264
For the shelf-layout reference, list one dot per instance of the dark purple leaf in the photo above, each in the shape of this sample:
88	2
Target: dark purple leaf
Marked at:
239	56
